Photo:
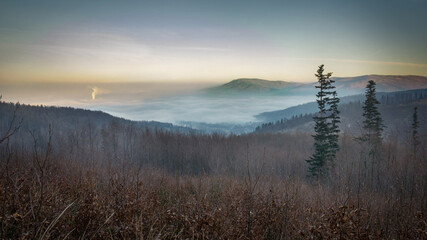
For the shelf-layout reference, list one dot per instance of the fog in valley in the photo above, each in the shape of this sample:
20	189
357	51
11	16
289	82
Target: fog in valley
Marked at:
177	103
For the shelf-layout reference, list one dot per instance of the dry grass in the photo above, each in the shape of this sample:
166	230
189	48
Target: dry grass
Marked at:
150	204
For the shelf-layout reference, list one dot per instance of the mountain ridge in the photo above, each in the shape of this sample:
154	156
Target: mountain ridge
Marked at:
39	117
253	85
396	108
312	107
345	85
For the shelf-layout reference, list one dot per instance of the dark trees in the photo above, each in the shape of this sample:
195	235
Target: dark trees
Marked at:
334	130
326	127
373	123
13	127
373	126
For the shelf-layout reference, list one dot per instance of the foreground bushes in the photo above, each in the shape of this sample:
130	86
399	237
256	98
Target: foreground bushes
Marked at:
71	202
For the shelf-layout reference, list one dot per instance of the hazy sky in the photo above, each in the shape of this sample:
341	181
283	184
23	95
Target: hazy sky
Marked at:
211	41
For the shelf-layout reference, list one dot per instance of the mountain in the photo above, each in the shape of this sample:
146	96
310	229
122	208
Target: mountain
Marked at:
345	85
253	85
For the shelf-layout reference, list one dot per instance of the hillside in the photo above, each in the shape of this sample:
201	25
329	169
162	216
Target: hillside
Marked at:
252	85
311	107
67	119
385	83
301	109
345	85
396	109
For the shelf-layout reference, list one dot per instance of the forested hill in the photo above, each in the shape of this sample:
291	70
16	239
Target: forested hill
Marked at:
345	85
253	85
396	109
63	119
311	107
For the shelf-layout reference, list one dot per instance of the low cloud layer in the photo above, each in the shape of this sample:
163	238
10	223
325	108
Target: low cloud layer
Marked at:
199	108
174	103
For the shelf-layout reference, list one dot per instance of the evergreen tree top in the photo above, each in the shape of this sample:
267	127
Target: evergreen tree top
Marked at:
373	122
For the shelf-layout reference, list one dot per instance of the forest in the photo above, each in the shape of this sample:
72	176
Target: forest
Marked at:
75	174
222	120
395	109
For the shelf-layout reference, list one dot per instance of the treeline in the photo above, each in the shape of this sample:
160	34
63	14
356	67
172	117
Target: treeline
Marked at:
101	140
67	119
102	143
96	139
396	109
400	97
285	123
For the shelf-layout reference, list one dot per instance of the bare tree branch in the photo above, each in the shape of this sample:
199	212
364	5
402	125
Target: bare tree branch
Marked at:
12	127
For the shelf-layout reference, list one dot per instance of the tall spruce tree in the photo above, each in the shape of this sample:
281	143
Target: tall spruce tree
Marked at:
333	135
372	123
326	127
373	127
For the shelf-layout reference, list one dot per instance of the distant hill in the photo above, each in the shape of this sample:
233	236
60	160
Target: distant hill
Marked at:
252	85
311	107
302	109
385	83
396	109
222	128
345	85
67	119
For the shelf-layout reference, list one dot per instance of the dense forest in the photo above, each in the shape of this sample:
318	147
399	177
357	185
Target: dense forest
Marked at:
400	97
70	173
396	109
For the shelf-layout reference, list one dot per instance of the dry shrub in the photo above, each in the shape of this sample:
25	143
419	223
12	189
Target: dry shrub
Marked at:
112	205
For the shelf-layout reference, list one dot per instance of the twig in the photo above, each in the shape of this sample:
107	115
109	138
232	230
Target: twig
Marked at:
54	222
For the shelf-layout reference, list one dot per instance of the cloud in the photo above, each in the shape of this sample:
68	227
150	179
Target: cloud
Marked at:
201	108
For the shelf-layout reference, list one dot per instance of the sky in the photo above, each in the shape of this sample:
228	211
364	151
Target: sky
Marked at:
201	41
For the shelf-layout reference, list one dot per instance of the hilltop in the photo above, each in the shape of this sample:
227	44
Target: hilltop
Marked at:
252	85
385	83
345	85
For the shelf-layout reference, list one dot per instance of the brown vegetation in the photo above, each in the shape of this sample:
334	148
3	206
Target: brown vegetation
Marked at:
117	181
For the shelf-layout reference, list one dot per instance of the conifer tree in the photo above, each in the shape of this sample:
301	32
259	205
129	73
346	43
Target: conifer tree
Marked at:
333	135
373	127
326	127
373	123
